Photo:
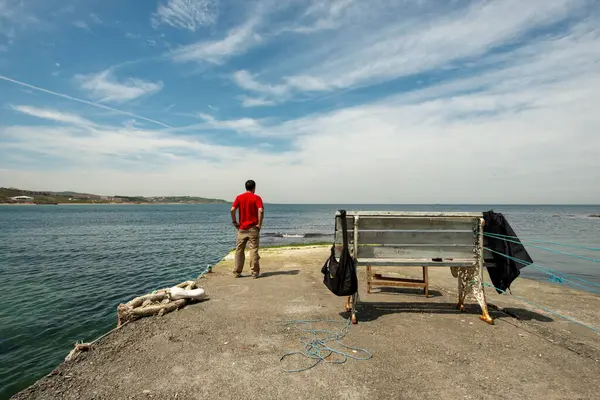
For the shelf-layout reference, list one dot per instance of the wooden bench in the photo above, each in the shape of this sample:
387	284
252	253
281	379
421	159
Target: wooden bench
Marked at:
417	239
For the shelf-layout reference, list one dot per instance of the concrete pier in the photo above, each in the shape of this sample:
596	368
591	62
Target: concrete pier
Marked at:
228	347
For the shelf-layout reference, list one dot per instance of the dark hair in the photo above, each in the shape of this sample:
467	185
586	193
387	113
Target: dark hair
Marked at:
250	185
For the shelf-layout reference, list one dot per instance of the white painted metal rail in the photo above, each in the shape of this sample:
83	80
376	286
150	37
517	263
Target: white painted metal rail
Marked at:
412	238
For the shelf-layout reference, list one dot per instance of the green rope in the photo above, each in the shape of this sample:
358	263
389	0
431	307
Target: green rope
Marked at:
527	241
317	348
500	237
553	274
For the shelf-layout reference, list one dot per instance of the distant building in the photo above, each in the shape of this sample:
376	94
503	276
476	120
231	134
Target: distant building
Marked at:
21	198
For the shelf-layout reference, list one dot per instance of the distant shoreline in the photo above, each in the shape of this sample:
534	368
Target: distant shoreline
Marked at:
21	196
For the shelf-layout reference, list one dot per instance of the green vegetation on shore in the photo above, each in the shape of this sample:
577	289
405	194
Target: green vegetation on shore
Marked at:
46	197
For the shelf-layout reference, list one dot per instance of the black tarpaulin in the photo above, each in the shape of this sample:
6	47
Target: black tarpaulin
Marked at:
506	270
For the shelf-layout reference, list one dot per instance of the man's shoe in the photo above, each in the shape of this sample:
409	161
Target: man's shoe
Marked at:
236	275
254	276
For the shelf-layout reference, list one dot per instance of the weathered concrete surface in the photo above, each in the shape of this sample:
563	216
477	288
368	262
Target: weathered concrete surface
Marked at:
229	346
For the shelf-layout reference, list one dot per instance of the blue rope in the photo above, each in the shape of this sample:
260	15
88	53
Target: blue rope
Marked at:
554	275
317	349
544	248
560	277
545	309
543	242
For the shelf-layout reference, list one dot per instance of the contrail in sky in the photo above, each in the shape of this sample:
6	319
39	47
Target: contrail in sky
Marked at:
5	78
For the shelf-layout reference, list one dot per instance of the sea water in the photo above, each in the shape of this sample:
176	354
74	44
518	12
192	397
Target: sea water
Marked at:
64	269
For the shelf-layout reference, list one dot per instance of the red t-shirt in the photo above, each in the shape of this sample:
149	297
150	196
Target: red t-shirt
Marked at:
248	204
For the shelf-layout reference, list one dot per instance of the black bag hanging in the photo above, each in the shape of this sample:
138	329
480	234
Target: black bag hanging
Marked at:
340	276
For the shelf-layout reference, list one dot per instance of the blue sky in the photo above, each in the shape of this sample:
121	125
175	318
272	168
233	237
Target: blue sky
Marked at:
318	101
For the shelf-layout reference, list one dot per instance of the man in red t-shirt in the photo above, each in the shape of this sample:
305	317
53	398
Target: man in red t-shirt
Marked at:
251	217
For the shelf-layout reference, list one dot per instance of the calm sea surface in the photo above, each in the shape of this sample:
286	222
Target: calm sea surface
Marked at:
64	269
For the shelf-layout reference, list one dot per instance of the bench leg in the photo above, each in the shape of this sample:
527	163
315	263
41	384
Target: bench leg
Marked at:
478	278
480	296
369	277
426	281
463	277
354	303
351	302
470	280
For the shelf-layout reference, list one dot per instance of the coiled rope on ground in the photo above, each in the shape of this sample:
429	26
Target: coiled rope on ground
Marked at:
317	347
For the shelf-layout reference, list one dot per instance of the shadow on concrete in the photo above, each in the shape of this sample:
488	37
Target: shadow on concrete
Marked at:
386	290
370	311
526	315
274	273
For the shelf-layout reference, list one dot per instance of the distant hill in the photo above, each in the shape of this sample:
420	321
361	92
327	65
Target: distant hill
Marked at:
76	194
75	197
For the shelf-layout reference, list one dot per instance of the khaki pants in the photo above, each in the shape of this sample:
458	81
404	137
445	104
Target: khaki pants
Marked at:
250	236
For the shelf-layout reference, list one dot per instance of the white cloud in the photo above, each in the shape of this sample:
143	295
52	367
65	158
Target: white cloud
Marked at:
84	151
96	19
12	16
306	83
242	125
518	126
53	115
258	27
534	65
236	42
365	54
255	102
402	50
512	142
82	25
15	11
187	14
8	34
528	144
8	9
247	81
325	15
104	87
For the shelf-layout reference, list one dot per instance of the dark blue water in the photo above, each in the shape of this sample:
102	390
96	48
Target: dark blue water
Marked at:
64	269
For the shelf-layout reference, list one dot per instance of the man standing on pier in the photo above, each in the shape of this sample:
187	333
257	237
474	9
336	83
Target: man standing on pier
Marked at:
250	221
